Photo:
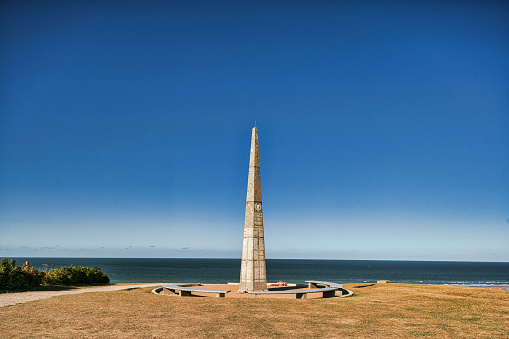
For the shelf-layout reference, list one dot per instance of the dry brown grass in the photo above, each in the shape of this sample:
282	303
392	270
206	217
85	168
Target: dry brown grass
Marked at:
380	310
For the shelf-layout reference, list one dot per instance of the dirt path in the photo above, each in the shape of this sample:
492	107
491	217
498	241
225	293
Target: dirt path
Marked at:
7	299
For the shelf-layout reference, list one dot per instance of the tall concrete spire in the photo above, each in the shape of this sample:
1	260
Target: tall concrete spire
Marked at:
252	271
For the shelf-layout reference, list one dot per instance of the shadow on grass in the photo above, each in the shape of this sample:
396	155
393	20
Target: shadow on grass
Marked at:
361	286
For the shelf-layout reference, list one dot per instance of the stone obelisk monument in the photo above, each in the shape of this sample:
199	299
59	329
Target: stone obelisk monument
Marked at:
252	272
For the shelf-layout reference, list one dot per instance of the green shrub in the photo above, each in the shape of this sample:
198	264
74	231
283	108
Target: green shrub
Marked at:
75	275
14	277
24	277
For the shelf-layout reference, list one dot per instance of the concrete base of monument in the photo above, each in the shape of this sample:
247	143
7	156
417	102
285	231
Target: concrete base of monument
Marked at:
290	291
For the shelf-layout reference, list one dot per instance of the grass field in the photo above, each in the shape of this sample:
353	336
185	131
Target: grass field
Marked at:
375	311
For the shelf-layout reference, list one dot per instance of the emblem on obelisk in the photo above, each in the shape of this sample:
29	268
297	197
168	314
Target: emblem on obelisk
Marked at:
252	272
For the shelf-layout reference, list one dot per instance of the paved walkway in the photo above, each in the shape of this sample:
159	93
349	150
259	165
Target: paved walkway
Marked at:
7	299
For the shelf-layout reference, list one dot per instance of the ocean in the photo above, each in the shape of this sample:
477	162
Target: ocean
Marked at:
145	270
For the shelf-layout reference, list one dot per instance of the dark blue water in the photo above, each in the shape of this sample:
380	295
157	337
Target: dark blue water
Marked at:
129	270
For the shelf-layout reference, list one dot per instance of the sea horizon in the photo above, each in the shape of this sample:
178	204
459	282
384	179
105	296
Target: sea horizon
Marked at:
230	258
224	270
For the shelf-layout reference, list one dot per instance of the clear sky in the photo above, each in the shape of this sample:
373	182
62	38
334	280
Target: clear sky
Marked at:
384	128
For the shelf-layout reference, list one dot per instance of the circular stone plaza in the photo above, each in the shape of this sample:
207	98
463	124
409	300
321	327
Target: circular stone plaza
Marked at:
253	278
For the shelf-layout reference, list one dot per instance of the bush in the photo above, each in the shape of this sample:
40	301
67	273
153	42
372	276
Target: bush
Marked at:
14	277
24	277
75	275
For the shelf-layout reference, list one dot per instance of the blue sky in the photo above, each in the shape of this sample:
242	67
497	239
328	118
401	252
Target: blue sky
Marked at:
384	128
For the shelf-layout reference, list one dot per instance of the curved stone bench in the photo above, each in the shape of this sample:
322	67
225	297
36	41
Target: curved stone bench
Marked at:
185	291
328	292
317	284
